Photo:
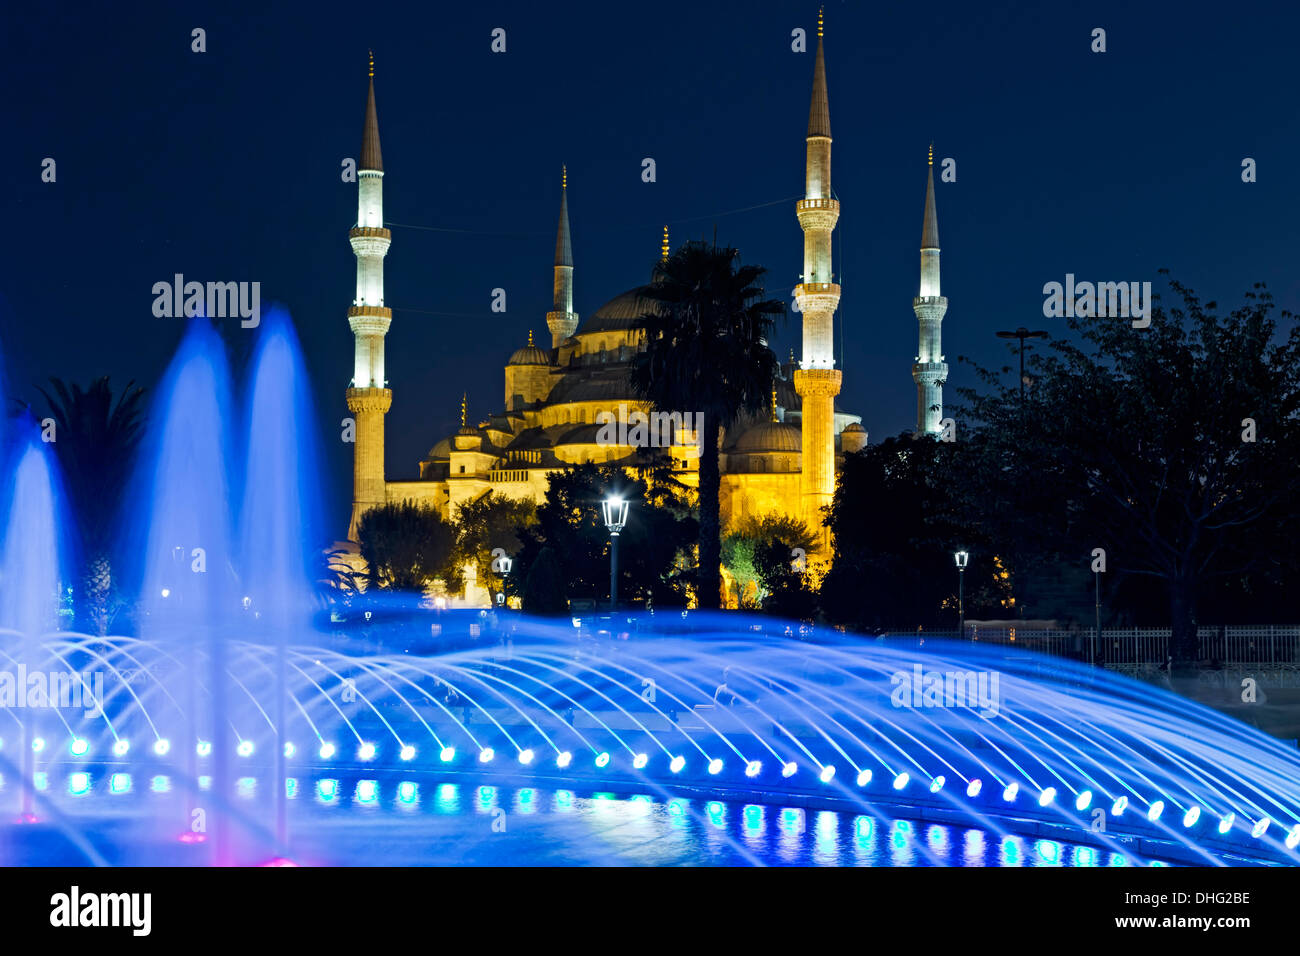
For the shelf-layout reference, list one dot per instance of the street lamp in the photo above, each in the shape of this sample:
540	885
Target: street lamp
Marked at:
1022	333
961	557
504	564
615	509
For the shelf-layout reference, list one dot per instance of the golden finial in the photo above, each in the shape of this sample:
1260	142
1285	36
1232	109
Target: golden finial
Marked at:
564	177
464	408
530	338
664	248
820	11
774	401
932	154
372	64
792	353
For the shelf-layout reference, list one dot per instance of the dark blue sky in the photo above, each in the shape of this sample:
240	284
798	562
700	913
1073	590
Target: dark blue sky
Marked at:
225	166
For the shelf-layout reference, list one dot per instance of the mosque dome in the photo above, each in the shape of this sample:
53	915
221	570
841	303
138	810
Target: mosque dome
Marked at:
530	354
854	428
768	437
620	314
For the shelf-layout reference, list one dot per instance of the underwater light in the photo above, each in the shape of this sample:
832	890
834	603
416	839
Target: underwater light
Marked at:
753	768
1258	829
1191	816
1225	824
1009	794
676	764
526	757
602	759
407	752
973	788
1047	796
1118	807
715	765
78	747
161	746
789	769
245	748
289	749
864	778
327	750
639	761
486	754
38	744
120	747
1154	811
366	751
1293	838
1083	800
937	783
203	748
563	760
827	773
447	754
901	780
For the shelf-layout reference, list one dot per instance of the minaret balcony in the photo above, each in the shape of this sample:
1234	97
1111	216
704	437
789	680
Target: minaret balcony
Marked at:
370	241
817	296
818	214
369	319
373	231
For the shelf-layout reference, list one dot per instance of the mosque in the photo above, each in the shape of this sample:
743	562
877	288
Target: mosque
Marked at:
555	398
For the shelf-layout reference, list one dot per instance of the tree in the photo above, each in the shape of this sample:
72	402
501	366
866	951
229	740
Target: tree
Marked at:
1171	447
760	555
406	546
95	439
706	351
487	523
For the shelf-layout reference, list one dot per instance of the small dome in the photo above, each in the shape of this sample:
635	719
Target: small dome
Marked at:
855	428
529	355
768	437
468	430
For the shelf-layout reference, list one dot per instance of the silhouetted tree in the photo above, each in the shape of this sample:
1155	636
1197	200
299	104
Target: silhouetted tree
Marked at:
406	546
544	590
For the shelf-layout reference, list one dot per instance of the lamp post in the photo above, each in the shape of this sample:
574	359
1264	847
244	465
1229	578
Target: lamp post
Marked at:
1096	631
504	564
1022	333
615	509
961	557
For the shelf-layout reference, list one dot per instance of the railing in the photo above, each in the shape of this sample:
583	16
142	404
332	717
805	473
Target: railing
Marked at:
508	474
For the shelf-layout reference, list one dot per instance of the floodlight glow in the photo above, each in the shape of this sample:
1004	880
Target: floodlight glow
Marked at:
753	768
1118	807
1226	823
1293	838
38	744
525	757
864	778
407	752
1009	794
78	747
1047	796
447	754
1191	816
366	751
973	788
327	750
203	748
676	764
789	769
563	760
602	759
827	773
901	780
937	783
245	748
161	746
639	761
1258	829
715	765
1083	801
1154	811
486	754
120	747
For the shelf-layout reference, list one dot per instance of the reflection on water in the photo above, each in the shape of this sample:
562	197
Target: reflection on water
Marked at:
427	821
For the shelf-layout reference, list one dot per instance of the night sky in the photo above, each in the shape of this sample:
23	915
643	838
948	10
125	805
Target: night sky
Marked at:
225	166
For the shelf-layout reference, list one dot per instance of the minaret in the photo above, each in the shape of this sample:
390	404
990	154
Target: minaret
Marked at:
929	371
817	380
563	321
369	397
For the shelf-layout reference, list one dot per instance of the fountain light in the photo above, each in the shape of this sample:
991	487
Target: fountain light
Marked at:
447	754
166	592
407	752
1154	811
563	760
203	748
1119	806
78	747
486	754
789	769
1258	829
526	757
366	751
1191	816
753	768
676	764
289	749
326	751
639	761
1009	794
973	788
121	746
245	748
827	774
1083	801
161	746
715	765
864	777
38	744
1047	796
937	783
1225	824
1293	838
900	781
602	759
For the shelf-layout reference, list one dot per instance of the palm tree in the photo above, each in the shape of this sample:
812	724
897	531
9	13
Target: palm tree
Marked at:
95	439
706	352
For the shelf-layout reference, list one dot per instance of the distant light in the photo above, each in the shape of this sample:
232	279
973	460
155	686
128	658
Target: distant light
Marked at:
1009	794
828	772
715	765
366	751
1083	800
1258	829
1047	796
78	747
973	788
753	768
639	761
203	748
486	754
1293	838
1154	811
245	748
166	592
525	757
1191	816
407	752
327	750
901	780
789	769
1118	807
447	754
602	759
38	744
563	760
161	746
937	783
864	778
1225	824
289	749
676	764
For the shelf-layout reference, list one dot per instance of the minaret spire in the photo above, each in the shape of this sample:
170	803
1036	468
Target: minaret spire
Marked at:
369	397
817	380
929	372
562	320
